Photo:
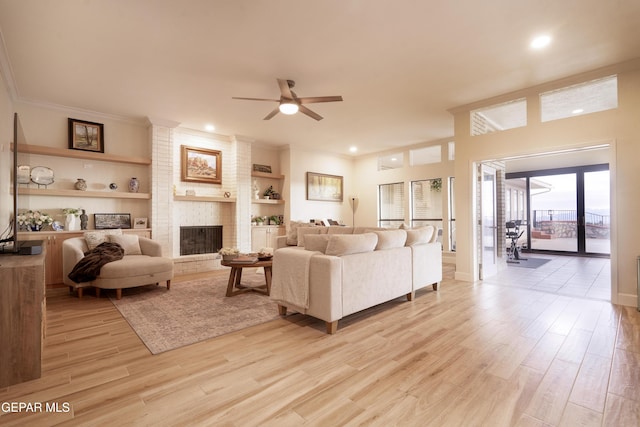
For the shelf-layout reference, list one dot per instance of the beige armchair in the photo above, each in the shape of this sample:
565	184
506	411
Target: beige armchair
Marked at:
138	268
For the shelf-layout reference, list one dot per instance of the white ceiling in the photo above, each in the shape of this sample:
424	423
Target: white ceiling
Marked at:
399	65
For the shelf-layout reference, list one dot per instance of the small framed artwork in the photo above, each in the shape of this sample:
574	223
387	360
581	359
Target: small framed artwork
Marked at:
140	223
201	165
261	168
86	136
112	220
324	187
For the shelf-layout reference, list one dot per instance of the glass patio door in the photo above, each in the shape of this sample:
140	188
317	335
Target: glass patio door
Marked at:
597	212
488	226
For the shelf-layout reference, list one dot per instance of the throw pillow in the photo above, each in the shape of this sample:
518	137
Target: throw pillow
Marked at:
346	244
390	239
292	232
129	243
94	238
419	235
316	242
303	231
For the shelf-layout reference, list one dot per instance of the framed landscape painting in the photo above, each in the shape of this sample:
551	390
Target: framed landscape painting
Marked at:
324	187
86	136
201	165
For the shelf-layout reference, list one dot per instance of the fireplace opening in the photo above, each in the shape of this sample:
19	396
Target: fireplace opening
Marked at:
200	239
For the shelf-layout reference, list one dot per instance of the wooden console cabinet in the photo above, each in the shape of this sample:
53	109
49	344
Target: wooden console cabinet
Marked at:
22	317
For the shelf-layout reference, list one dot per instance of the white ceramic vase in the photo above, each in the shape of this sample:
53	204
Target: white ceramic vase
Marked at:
71	223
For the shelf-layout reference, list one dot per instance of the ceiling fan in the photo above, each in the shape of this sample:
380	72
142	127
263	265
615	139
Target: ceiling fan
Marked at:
290	103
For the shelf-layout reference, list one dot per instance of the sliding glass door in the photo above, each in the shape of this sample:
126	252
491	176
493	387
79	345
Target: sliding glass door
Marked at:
568	209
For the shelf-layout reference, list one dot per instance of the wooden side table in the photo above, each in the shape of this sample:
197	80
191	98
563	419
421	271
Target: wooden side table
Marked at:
234	287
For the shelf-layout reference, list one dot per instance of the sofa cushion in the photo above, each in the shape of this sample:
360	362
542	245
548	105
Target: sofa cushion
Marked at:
419	235
94	238
304	231
346	244
292	231
339	230
390	239
129	243
316	242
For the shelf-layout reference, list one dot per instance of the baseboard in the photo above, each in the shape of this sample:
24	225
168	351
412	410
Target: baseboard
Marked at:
463	277
629	300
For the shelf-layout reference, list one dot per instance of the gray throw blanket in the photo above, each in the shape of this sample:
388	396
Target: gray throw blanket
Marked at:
88	268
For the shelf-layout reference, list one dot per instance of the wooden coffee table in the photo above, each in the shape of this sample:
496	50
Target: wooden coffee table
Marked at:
234	287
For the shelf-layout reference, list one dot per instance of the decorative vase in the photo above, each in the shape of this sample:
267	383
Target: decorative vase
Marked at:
81	184
134	185
71	223
35	227
113	186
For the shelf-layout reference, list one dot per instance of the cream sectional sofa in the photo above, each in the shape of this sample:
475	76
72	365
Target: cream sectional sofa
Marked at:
332	274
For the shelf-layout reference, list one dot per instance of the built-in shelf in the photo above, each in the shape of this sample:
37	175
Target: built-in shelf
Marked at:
204	199
80	154
268	201
266	175
79	193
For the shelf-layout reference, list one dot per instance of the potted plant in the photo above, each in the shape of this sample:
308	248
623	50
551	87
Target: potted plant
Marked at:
273	219
268	192
229	253
259	220
34	220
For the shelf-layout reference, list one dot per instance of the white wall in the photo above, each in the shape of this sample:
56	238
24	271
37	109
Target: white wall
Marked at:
619	127
300	162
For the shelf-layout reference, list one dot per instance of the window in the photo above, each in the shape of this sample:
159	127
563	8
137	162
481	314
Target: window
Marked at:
452	150
391	161
584	98
425	156
391	200
426	203
512	114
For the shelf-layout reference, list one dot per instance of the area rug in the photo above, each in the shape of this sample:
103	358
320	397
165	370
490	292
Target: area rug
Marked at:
529	262
192	311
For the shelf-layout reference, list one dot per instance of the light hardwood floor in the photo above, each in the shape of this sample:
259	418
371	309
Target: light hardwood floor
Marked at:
468	354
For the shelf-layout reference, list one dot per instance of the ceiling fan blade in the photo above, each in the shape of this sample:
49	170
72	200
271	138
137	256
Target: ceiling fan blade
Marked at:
310	113
256	99
271	114
285	90
314	99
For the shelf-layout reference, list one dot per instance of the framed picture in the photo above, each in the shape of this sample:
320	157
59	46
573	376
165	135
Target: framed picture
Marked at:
261	168
86	136
324	187
201	165
140	223
112	220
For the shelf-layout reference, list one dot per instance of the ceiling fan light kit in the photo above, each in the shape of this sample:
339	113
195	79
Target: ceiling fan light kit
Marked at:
289	103
288	108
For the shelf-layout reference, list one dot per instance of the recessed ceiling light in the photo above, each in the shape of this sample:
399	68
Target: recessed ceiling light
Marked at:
577	111
353	149
393	159
540	42
209	128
